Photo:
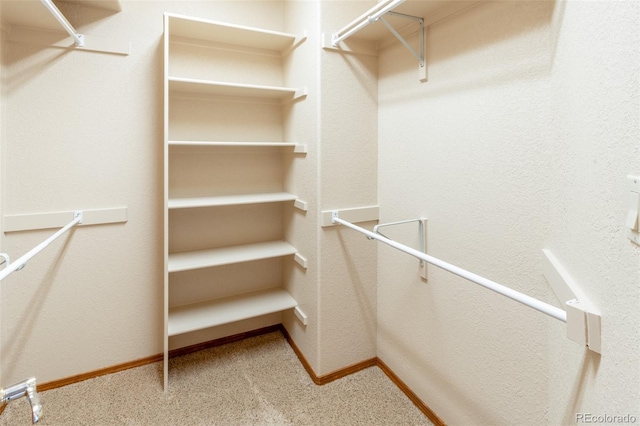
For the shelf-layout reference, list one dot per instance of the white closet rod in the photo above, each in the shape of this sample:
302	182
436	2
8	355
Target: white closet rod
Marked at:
77	38
20	263
369	17
536	304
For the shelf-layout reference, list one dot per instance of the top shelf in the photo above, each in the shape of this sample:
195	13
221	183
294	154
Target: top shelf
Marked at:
213	31
430	11
33	14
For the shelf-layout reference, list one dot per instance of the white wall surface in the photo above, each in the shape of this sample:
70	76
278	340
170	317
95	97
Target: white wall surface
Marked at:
521	140
301	124
348	178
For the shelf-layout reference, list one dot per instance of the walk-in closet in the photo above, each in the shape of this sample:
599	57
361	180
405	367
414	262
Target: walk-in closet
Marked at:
319	212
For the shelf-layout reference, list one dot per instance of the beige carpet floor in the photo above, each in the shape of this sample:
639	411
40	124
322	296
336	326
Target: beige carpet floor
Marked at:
256	381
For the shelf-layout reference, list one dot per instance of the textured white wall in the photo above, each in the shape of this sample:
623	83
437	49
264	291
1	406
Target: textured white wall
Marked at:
597	82
521	140
348	178
301	124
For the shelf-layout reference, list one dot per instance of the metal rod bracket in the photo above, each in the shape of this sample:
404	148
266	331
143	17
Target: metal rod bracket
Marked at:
422	237
421	55
22	261
25	388
53	9
7	259
379	15
334	215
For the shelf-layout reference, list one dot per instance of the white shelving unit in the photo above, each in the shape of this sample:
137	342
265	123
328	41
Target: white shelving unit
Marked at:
214	108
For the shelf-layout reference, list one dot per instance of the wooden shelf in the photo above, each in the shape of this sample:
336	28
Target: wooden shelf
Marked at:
211	313
185	261
220	88
230	200
219	32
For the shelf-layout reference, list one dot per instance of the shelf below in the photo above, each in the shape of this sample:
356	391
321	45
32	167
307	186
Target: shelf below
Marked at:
297	148
212	31
185	261
220	88
211	313
230	200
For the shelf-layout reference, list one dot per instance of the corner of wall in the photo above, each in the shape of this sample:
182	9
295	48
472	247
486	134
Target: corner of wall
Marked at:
348	178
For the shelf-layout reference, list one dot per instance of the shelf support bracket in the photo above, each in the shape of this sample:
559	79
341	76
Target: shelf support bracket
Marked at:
583	320
377	14
420	56
77	38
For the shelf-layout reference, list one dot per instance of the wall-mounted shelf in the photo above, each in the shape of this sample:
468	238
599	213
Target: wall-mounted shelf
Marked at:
33	14
219	32
297	148
188	85
430	11
211	313
33	21
198	259
230	200
113	5
220	88
388	19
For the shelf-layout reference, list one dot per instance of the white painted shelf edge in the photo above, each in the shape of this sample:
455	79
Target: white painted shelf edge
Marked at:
185	261
230	200
298	148
201	29
191	85
211	313
248	144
